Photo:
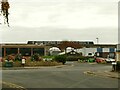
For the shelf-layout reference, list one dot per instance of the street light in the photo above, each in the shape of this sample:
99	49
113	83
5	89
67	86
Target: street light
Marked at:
4	10
97	40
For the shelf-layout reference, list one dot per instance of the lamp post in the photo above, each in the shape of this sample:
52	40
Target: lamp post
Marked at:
97	40
4	10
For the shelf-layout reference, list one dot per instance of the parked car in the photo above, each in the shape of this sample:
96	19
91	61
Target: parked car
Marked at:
91	60
100	60
110	60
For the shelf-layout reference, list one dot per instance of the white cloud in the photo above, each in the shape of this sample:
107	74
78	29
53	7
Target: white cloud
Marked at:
70	14
68	19
19	34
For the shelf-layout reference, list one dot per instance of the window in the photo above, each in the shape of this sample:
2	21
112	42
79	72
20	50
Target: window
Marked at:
11	51
89	53
39	51
25	51
112	49
99	49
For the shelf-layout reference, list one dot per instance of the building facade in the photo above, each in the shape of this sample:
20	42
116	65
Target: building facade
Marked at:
24	49
42	48
118	53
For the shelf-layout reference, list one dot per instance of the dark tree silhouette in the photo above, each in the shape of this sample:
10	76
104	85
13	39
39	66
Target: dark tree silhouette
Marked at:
65	44
4	10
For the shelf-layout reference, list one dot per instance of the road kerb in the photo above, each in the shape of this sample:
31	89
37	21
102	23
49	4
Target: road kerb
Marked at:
12	85
101	74
89	72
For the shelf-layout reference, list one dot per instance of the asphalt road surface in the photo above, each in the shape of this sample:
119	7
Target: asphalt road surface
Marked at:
70	76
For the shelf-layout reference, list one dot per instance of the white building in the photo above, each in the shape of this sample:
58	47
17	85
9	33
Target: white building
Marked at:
99	51
54	51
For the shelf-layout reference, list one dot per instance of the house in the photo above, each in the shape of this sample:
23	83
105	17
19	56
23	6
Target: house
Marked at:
71	53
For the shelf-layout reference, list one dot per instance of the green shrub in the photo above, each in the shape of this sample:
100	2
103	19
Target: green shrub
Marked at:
72	58
84	57
48	58
17	64
60	58
18	57
35	57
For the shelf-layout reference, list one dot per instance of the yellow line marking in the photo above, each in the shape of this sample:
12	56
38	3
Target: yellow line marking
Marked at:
11	85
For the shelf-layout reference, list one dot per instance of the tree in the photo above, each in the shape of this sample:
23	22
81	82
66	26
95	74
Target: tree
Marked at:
4	10
60	58
65	44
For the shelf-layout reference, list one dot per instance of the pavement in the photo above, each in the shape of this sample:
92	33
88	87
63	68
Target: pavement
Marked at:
37	67
111	74
11	86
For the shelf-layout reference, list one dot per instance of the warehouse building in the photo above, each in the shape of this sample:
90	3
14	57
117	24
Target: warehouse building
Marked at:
43	48
24	49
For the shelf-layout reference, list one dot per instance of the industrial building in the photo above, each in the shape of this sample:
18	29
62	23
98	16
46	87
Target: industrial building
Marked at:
43	47
24	49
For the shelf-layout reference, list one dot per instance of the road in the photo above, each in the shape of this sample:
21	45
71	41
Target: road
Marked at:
70	76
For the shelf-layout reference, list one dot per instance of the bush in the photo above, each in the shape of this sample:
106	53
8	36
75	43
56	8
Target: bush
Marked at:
18	57
84	58
17	64
72	58
48	58
60	58
10	57
35	57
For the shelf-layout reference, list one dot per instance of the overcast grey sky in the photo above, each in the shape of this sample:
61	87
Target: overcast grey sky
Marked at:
61	20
